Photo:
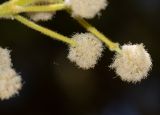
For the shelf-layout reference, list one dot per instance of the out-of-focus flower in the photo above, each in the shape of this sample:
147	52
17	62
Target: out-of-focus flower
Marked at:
10	81
86	8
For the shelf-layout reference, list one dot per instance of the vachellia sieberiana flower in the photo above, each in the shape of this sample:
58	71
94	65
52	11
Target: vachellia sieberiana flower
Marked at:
133	63
87	51
10	81
86	8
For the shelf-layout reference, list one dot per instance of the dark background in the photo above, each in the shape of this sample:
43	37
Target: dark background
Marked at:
55	86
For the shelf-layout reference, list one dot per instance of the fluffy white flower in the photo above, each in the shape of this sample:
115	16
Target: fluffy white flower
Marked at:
10	83
133	63
41	16
86	8
5	59
87	51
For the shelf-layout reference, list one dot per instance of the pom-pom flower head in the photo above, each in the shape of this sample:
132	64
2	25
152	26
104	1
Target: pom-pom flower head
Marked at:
10	83
87	51
86	8
133	63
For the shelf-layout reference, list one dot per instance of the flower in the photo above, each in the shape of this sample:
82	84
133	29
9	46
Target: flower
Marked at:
41	16
86	8
10	83
87	51
133	63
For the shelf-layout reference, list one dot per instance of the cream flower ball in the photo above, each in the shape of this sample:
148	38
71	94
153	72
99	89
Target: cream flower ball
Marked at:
86	8
10	83
87	51
41	16
133	63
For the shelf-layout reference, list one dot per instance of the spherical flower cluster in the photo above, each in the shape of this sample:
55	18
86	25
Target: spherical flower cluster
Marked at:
86	8
87	51
10	81
133	63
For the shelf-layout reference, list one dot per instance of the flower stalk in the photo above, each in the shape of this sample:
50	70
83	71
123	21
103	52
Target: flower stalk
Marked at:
111	45
9	8
44	8
44	30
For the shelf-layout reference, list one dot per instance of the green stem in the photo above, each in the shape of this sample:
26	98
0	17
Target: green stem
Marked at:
45	31
25	2
6	9
28	2
10	8
111	45
44	8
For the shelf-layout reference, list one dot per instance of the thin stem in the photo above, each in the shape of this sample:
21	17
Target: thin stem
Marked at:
6	9
44	8
45	31
28	2
9	8
25	2
111	45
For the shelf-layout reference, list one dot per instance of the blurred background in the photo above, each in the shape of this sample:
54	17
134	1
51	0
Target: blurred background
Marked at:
55	86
